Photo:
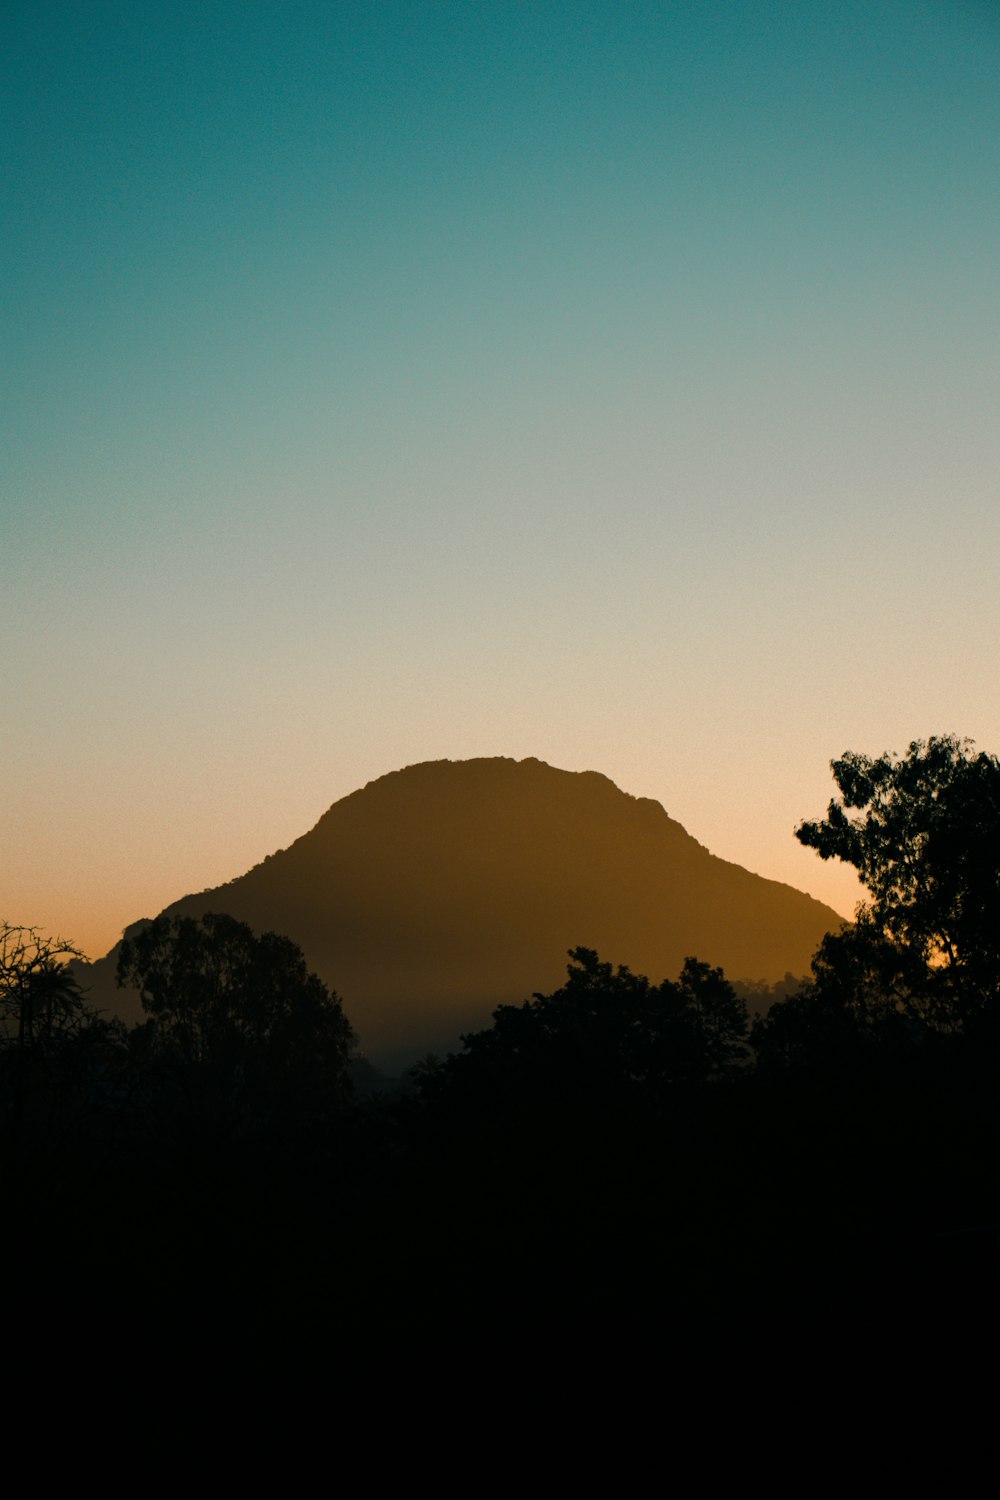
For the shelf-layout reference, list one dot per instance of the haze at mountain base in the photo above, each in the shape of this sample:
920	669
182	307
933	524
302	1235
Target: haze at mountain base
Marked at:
441	891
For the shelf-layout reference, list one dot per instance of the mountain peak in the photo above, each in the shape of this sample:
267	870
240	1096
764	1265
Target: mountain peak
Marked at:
437	892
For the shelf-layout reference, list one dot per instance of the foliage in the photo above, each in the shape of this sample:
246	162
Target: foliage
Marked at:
40	999
923	832
60	1062
921	962
861	1007
241	1013
605	1037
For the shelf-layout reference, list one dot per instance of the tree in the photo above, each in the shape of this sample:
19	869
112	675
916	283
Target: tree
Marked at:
861	1012
607	1036
56	1054
923	832
239	1013
40	999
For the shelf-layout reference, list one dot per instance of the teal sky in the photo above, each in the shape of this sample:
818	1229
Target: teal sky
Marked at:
614	383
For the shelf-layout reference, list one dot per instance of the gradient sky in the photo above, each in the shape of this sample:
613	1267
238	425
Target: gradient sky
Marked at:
613	383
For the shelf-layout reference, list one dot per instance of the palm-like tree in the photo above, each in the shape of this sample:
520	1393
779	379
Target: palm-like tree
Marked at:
40	998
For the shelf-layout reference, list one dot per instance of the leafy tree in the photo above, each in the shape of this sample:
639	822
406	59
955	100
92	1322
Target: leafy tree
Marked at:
921	961
606	1036
923	832
241	1014
863	1006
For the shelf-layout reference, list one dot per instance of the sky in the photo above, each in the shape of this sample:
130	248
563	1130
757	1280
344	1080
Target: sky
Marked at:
613	383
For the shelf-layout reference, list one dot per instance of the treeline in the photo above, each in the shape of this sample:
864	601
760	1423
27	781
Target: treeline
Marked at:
616	1160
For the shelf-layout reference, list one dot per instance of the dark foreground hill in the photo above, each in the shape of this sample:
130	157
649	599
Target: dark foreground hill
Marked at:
438	892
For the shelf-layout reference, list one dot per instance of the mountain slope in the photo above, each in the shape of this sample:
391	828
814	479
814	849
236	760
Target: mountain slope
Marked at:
438	892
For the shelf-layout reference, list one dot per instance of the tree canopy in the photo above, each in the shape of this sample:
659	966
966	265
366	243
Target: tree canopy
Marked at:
922	958
923	832
240	1007
605	1037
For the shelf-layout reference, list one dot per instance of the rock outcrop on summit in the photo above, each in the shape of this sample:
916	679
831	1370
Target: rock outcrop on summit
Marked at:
438	892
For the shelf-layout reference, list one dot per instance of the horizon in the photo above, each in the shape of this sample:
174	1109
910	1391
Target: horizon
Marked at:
608	385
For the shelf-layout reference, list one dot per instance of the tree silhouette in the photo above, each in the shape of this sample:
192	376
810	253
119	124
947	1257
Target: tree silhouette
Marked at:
607	1037
55	1052
923	832
863	1006
39	996
922	959
238	1016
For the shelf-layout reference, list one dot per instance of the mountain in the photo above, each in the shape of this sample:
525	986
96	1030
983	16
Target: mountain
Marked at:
438	892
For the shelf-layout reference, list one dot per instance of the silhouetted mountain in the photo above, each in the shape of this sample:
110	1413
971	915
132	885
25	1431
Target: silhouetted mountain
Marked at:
438	892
